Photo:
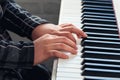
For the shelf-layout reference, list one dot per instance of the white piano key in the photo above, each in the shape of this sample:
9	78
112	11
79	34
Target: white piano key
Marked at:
67	78
70	61
74	60
71	58
69	65
70	70
117	12
69	14
70	75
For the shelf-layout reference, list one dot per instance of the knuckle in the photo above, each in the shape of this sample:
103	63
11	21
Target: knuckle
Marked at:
68	33
71	27
64	38
47	35
52	54
61	45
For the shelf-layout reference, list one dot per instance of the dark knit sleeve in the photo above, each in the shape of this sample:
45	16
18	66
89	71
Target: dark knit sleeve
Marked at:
18	20
16	55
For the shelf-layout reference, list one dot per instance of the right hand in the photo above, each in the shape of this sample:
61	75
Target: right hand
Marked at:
52	46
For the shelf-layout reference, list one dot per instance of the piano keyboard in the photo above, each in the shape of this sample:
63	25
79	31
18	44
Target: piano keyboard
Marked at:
69	69
98	56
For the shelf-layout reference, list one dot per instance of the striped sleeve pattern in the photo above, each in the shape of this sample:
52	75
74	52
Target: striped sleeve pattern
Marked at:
16	55
18	20
21	20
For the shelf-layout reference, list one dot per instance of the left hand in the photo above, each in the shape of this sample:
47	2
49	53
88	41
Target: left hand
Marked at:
65	29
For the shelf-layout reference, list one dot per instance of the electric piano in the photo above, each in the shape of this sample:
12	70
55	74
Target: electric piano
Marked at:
98	55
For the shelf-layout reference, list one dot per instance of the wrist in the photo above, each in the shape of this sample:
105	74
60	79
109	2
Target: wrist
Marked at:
41	30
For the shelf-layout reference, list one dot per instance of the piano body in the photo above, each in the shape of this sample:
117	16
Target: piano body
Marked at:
98	55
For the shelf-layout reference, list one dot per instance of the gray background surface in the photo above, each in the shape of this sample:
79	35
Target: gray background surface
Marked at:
47	9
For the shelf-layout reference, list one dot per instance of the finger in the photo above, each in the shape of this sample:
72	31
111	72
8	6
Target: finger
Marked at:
60	39
62	47
75	30
65	24
58	54
63	39
67	34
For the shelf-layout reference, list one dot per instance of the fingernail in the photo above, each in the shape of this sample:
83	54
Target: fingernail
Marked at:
75	52
85	35
66	56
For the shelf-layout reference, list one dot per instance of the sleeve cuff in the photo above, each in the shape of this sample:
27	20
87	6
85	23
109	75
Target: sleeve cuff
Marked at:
26	56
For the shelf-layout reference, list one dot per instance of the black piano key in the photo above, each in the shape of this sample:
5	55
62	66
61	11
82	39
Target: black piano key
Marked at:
98	14
97	10
92	79
99	0
102	39
101	43
92	34
97	6
98	17
96	3
95	79
99	21
99	78
100	25
104	49
101	55
101	72
100	61
100	66
100	30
